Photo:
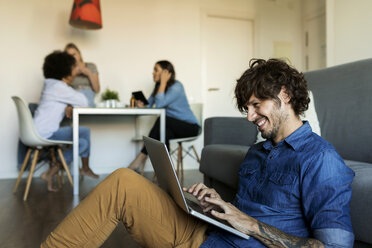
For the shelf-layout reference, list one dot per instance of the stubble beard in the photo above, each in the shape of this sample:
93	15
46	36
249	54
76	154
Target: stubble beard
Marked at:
278	117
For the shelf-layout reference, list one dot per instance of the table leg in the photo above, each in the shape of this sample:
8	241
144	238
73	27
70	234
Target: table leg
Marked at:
162	126
137	135
75	125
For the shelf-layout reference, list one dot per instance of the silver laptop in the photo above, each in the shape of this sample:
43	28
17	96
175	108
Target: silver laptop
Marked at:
168	181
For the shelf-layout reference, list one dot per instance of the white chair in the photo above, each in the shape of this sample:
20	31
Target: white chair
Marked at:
31	138
197	109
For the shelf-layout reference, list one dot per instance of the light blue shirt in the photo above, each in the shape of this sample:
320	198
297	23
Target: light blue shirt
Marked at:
175	103
55	97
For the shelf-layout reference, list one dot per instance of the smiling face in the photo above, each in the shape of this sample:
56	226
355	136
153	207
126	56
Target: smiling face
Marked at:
156	73
269	116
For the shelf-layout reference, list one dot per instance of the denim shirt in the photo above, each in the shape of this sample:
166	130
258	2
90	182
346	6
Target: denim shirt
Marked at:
300	186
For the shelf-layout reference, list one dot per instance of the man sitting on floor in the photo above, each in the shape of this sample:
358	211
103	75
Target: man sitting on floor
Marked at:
59	71
294	188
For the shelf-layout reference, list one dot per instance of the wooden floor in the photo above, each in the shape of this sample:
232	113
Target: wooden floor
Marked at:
26	224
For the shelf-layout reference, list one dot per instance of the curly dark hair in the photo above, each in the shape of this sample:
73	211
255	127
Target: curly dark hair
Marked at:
265	80
58	65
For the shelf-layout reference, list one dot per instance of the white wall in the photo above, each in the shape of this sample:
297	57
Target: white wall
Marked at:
314	31
279	22
349	36
135	34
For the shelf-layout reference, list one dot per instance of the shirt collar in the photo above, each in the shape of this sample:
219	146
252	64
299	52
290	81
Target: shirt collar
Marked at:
295	139
52	80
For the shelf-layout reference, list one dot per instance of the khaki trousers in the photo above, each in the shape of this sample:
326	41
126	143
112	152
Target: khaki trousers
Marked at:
151	217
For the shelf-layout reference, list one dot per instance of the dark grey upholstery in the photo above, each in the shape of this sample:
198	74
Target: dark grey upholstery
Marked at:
232	131
227	176
343	102
361	202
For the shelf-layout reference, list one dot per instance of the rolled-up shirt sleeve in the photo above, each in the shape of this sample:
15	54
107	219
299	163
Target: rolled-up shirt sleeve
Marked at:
326	189
68	95
334	237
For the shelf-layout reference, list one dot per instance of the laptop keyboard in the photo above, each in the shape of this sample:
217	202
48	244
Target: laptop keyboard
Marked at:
196	207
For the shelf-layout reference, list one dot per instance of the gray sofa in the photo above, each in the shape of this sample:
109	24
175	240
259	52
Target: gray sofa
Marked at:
343	102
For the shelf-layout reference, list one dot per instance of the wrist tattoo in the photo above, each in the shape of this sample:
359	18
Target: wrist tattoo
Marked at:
273	237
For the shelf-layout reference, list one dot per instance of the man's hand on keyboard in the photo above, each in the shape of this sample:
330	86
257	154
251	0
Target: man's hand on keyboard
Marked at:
200	191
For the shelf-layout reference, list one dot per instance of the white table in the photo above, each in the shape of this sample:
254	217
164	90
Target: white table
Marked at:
108	111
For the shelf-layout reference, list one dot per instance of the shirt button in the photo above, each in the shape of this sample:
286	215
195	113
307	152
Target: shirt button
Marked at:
261	180
271	156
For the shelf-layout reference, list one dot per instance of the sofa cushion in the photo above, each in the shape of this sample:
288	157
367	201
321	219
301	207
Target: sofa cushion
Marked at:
361	201
222	162
342	98
311	116
229	130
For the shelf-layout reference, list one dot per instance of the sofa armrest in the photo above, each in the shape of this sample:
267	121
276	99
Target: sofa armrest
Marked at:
229	130
361	201
220	165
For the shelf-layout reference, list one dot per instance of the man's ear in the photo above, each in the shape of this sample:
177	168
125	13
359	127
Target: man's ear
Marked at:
67	80
284	95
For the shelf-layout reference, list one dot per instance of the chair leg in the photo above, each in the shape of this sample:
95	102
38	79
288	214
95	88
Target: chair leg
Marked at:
59	179
65	166
36	154
179	157
24	165
143	169
62	175
196	153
